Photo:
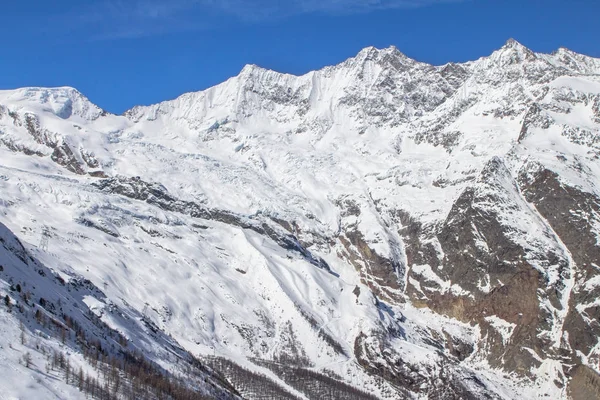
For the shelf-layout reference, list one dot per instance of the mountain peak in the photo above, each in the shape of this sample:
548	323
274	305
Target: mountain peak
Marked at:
250	68
64	101
253	70
513	44
576	62
512	52
33	92
562	50
372	52
386	57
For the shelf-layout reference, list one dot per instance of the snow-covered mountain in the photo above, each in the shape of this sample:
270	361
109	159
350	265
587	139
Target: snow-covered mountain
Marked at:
382	228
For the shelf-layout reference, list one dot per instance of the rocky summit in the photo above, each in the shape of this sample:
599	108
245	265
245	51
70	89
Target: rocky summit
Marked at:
378	229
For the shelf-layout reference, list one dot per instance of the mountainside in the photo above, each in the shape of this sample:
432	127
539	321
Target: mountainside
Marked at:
382	228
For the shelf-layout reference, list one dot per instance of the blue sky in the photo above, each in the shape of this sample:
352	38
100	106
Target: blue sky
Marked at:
121	53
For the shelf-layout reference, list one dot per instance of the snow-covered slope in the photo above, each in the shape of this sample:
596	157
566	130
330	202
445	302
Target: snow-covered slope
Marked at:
393	228
57	344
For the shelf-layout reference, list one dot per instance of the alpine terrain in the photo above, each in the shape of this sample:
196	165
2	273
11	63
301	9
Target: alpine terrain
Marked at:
378	229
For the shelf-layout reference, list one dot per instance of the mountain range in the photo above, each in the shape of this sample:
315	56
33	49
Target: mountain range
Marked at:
378	229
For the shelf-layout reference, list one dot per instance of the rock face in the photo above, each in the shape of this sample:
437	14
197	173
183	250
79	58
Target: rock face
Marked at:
382	225
64	103
584	384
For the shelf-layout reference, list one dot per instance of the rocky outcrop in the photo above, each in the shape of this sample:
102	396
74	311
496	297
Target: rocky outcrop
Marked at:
574	215
489	271
534	118
156	194
436	379
72	157
584	383
379	273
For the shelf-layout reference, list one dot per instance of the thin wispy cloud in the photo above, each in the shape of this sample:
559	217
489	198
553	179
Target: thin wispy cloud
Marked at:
114	19
266	9
117	19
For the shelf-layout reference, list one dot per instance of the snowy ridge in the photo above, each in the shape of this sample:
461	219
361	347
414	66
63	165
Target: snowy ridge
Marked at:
64	102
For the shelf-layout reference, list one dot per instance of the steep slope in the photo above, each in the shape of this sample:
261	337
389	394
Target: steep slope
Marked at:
382	225
55	322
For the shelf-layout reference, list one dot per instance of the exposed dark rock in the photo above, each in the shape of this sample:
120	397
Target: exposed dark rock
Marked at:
379	273
455	74
535	117
478	251
442	381
157	195
572	213
596	109
584	384
92	224
64	156
17	147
